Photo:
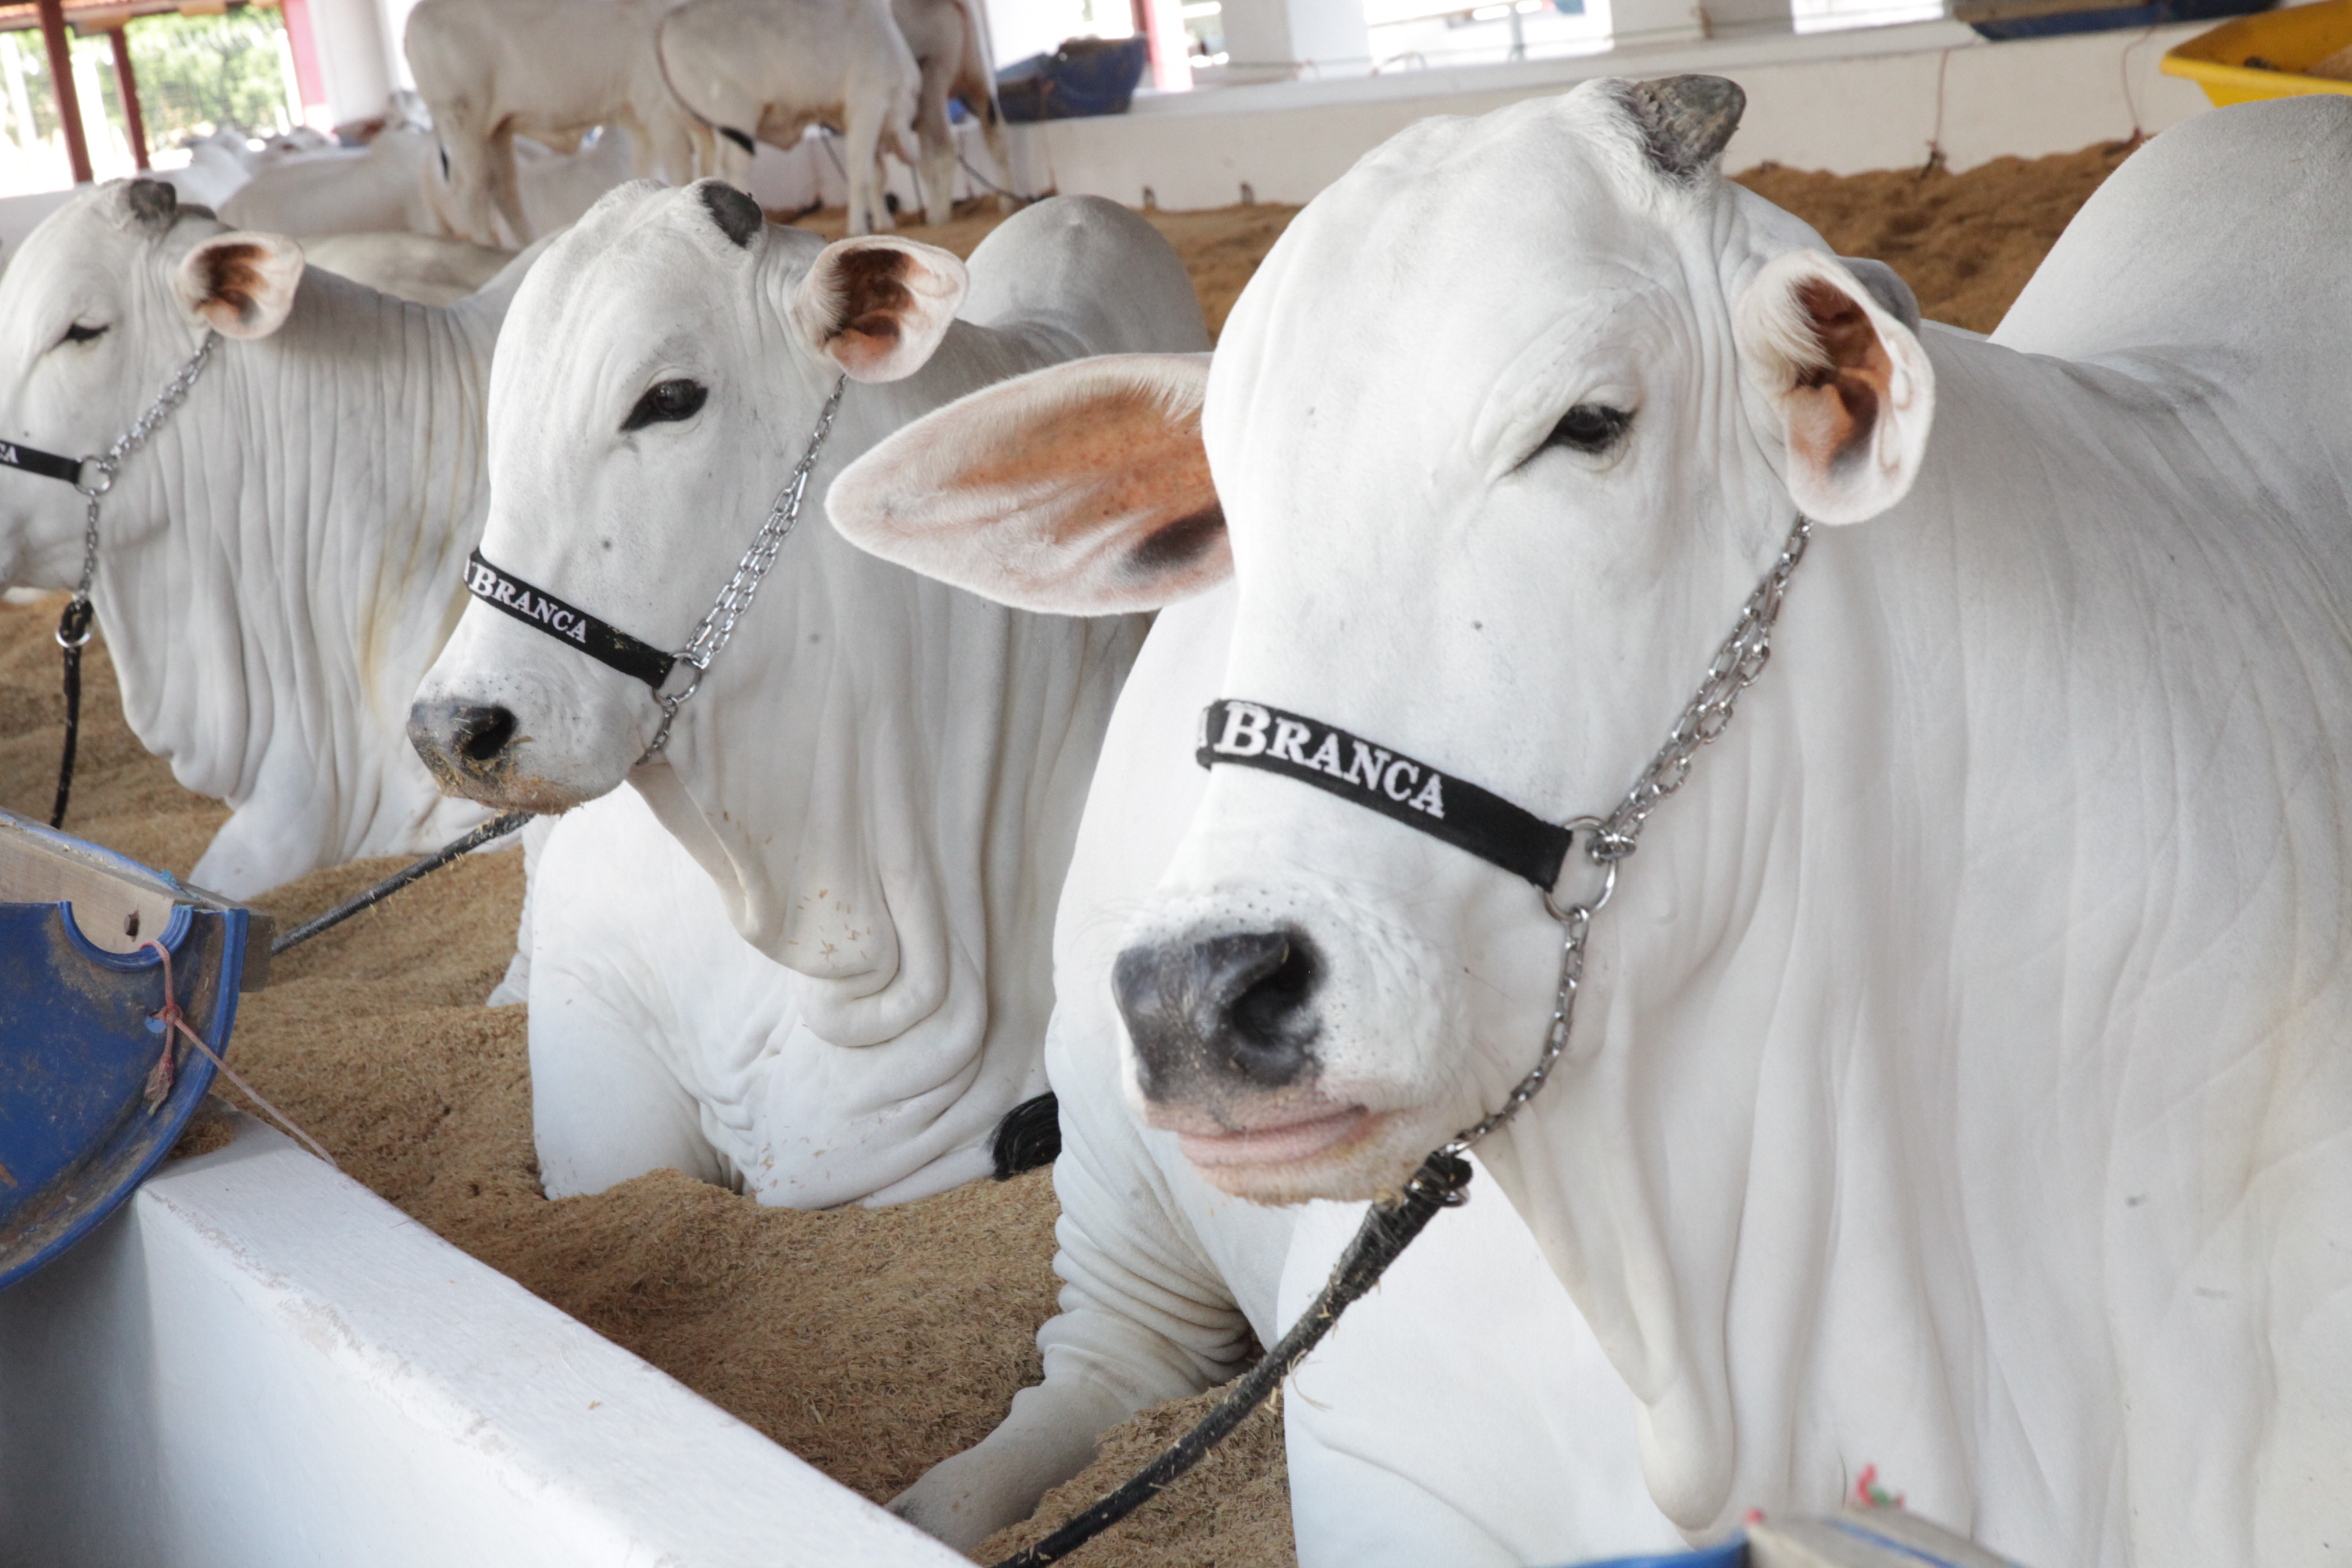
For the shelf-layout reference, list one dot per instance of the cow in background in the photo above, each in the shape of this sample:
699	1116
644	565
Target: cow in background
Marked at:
490	70
279	563
766	70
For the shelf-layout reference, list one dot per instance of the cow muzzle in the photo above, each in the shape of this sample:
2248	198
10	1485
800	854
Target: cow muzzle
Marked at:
1234	1010
1294	1039
472	749
1224	1030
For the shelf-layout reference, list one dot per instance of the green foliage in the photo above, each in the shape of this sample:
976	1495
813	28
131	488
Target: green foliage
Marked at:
196	74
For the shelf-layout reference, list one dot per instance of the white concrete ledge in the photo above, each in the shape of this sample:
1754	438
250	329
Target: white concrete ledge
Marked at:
1870	99
258	1362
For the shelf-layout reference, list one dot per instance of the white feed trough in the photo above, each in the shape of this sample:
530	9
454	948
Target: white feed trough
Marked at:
257	1362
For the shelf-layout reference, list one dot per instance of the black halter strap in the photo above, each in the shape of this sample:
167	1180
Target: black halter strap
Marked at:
49	465
575	627
1253	736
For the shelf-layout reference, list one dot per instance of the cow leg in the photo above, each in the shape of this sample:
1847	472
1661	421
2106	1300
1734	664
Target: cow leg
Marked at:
669	141
275	836
935	144
645	157
506	186
999	148
612	908
603	1109
468	151
862	159
1507	1438
514	988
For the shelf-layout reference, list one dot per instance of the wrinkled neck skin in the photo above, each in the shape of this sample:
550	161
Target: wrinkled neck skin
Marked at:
1777	1133
883	774
322	487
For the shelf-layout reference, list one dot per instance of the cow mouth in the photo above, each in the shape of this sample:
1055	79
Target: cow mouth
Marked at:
1290	1141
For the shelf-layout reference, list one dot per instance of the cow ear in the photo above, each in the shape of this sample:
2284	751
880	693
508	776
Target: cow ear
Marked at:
1078	490
242	285
879	305
1854	388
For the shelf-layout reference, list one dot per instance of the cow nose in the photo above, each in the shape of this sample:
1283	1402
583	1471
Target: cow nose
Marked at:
459	740
481	733
1220	1009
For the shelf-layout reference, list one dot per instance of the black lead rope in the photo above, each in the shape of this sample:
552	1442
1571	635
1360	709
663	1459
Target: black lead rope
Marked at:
73	636
1443	1181
73	626
496	827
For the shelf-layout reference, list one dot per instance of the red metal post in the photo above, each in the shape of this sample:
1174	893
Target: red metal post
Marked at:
302	39
126	82
62	83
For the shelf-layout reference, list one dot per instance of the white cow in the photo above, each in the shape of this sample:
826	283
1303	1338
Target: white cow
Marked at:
490	70
397	186
219	165
944	36
1958	1082
364	190
279	563
877	782
766	70
424	268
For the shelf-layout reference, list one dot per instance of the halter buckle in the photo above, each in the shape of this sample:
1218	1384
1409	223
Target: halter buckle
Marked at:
1602	848
105	478
74	626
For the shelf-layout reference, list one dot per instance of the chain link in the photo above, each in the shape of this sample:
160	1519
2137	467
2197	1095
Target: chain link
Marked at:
718	625
175	391
1737	664
1609	840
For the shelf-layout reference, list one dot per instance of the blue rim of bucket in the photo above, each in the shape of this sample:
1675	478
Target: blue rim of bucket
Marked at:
99	1182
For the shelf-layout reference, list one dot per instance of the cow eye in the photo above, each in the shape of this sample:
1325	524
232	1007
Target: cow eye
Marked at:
1589	427
665	403
77	333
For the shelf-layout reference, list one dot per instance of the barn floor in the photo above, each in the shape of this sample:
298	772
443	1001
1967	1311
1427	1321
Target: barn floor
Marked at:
863	1340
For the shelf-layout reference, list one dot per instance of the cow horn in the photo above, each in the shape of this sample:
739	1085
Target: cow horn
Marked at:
738	218
1685	121
151	202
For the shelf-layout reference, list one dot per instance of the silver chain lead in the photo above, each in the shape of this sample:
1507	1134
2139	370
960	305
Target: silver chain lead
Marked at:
718	624
1609	840
175	391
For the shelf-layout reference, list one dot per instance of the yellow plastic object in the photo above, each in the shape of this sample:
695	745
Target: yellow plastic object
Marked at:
2291	40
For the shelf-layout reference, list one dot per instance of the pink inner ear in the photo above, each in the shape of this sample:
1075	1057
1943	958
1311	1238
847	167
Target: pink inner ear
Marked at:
1833	408
877	300
1125	465
233	284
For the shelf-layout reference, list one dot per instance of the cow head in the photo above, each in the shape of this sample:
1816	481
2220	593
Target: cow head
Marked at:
662	370
667	361
1495	443
105	301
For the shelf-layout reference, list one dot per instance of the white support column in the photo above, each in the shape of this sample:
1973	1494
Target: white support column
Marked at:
1638	22
1738	18
1268	40
351	39
1171	46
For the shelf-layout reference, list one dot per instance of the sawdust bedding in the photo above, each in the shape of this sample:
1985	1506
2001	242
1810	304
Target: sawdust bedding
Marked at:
865	1340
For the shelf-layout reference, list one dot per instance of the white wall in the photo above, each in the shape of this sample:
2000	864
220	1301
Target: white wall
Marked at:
256	1363
352	58
1840	101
